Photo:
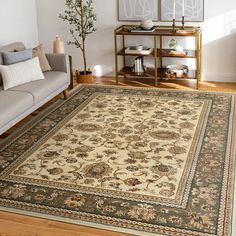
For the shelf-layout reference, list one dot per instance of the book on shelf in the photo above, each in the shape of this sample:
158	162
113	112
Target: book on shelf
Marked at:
139	29
136	50
139	67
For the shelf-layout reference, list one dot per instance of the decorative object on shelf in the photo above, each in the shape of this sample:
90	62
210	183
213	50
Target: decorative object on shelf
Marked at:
170	75
172	43
147	24
79	14
193	11
136	10
58	46
183	22
139	47
183	13
139	29
139	50
173	25
178	70
177	49
139	67
178	53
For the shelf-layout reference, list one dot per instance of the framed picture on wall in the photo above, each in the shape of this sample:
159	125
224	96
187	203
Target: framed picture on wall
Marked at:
137	10
193	10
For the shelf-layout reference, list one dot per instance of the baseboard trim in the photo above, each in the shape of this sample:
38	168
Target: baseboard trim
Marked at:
218	78
223	77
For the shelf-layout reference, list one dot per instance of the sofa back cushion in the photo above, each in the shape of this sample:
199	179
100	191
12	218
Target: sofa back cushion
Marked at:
18	46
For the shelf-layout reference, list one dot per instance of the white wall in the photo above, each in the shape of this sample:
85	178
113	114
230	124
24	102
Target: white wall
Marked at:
100	44
219	41
18	22
219	30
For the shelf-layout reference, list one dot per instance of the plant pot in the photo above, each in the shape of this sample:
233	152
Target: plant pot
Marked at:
84	78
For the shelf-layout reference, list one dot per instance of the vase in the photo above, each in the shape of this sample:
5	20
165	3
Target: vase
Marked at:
58	46
147	24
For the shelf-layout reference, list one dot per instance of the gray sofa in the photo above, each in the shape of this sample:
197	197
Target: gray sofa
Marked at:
18	102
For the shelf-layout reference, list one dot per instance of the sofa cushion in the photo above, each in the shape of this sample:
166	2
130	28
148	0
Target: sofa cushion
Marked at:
13	47
41	89
18	46
20	73
39	52
17	104
15	57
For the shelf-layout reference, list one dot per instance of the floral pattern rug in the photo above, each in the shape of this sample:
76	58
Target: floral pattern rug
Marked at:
137	160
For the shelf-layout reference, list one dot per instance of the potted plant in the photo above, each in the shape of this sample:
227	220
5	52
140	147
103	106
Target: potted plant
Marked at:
79	14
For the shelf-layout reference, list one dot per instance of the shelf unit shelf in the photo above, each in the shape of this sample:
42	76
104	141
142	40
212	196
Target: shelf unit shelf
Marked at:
123	53
160	53
166	53
150	73
127	72
158	71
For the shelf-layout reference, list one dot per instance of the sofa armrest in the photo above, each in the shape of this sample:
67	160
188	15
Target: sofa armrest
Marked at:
59	62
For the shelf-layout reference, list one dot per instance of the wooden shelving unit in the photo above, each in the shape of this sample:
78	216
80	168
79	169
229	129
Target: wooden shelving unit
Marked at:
158	72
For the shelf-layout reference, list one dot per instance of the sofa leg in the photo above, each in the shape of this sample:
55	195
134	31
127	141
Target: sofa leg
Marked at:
65	94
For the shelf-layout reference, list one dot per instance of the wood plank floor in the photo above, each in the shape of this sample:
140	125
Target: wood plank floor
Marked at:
20	225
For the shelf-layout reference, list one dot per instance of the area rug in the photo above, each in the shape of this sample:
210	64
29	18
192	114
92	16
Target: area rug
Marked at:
142	161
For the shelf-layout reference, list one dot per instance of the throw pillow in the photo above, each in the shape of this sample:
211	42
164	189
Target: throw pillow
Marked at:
21	73
15	57
39	52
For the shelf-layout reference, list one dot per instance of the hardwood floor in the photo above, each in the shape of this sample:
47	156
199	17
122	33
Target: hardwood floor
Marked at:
20	225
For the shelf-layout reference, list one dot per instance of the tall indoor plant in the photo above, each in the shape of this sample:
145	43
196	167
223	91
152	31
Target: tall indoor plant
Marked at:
79	14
